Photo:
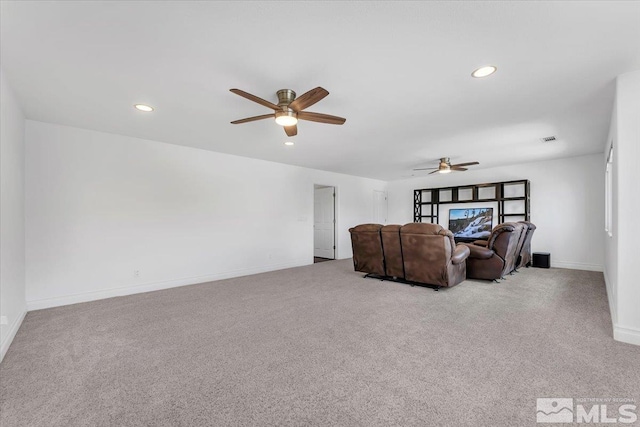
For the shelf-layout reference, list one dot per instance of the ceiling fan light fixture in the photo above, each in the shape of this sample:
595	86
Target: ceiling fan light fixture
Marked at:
286	118
484	71
445	171
289	143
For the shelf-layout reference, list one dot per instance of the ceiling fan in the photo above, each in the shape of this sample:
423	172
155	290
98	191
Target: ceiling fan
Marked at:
289	109
445	166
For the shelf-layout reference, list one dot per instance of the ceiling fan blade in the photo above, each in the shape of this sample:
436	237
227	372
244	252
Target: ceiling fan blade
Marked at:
435	171
423	169
320	118
255	99
457	168
466	164
307	99
253	119
291	130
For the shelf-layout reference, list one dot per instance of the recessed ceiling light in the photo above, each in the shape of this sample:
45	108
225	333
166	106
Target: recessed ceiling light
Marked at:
484	71
142	107
289	143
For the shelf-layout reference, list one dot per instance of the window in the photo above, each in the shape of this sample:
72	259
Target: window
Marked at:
608	213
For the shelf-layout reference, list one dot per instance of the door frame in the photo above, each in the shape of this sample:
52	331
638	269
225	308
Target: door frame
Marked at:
335	216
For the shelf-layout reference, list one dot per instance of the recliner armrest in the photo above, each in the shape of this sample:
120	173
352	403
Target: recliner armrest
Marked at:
478	252
481	243
460	254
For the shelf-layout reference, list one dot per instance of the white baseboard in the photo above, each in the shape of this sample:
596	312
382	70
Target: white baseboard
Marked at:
4	347
577	266
628	335
156	286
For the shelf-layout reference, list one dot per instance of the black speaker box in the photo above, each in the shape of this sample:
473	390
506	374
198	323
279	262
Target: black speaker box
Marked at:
541	259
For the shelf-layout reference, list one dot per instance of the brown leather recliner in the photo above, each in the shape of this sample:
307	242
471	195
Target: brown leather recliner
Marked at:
367	249
430	255
525	253
516	256
392	251
498	257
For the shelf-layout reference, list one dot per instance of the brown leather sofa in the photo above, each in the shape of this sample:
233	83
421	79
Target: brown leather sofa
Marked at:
421	253
525	253
499	256
392	249
430	255
367	249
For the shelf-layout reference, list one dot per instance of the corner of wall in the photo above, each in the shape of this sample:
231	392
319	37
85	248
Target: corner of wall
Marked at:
12	216
611	296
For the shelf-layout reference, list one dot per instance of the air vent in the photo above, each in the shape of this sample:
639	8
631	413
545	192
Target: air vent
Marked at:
548	139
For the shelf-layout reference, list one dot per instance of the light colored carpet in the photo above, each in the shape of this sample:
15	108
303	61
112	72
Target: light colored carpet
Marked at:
319	345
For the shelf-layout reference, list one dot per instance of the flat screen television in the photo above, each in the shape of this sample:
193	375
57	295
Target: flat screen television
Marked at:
475	223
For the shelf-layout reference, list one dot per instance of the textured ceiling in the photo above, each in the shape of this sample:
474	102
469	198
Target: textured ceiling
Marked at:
398	71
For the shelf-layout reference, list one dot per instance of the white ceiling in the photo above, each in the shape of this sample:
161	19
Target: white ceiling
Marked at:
398	71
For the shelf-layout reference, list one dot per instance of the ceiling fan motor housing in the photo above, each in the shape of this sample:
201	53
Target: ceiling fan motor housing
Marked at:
285	97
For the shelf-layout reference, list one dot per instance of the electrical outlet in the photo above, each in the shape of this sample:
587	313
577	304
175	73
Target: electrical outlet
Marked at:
136	273
4	320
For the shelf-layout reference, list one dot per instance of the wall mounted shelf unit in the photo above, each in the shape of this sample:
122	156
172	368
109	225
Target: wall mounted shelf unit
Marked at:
511	197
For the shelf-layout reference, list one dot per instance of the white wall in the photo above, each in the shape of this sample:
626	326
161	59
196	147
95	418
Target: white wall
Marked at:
621	270
100	206
567	204
12	238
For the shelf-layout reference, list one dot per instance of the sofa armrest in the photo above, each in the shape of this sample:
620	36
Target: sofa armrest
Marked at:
460	254
481	243
478	252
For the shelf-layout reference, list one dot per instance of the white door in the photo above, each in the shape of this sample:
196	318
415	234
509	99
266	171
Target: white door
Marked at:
323	223
379	207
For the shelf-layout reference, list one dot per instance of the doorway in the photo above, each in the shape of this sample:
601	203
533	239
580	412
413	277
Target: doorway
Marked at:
379	207
324	223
